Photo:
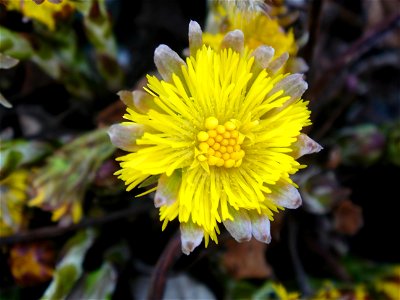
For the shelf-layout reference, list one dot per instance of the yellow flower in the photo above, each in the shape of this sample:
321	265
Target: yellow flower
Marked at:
13	195
327	292
32	263
46	12
390	284
258	28
222	132
360	292
242	5
283	294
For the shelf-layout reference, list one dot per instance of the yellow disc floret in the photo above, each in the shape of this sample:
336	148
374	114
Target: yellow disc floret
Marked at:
220	145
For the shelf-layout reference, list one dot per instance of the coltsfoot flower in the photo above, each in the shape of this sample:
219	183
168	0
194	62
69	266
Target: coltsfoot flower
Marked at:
258	29
221	132
45	12
242	5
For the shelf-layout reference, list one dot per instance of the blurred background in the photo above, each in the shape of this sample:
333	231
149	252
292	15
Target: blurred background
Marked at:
68	229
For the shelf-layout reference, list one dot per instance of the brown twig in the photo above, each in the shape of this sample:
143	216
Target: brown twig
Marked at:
167	258
359	47
54	231
313	29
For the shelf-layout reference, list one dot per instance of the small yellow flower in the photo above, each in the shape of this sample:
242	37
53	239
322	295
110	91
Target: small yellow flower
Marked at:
327	292
32	263
360	292
45	12
242	5
283	294
222	132
13	196
258	28
390	284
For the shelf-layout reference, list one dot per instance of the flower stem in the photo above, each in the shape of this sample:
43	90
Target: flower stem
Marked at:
167	258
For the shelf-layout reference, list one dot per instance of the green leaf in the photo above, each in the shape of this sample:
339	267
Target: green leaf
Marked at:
241	290
265	292
69	269
17	153
14	44
96	285
9	162
98	29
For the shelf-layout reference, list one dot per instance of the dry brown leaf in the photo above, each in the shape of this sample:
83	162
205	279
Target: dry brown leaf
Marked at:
348	217
246	260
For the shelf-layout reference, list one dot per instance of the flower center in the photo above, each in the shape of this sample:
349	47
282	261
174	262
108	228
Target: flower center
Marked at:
220	144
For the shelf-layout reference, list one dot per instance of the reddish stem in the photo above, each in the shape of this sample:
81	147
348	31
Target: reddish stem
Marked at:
167	258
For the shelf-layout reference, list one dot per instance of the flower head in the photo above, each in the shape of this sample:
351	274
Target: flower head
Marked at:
32	263
328	291
222	132
45	12
258	29
389	285
282	293
242	5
